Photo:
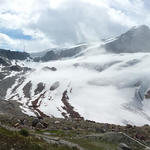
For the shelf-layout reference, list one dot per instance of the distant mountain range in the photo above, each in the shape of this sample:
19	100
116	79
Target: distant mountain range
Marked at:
137	39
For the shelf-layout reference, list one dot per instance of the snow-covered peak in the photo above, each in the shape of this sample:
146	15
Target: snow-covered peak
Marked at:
136	39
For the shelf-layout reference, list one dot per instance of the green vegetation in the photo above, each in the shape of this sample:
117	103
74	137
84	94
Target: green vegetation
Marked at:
24	132
58	136
95	144
14	140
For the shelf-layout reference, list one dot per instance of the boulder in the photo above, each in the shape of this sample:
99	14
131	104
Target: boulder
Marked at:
39	126
123	146
35	122
57	122
54	86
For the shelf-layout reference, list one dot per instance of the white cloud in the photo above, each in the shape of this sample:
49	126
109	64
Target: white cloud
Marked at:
70	21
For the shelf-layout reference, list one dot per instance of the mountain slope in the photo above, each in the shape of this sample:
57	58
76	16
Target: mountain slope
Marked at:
136	39
60	53
14	54
87	86
83	82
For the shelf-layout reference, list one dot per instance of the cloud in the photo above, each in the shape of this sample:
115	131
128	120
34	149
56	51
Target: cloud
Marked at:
63	22
74	21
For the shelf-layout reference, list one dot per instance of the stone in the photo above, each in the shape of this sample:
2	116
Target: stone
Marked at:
57	122
123	146
39	126
54	86
35	122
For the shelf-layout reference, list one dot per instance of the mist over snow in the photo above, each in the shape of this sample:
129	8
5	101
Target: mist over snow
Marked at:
103	86
107	73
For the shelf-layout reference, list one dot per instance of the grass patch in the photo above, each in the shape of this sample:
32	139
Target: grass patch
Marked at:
24	132
94	144
17	141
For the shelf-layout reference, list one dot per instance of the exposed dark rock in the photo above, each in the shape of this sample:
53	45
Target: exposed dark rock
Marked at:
54	86
68	108
51	55
3	75
15	68
10	107
39	126
20	81
36	104
35	122
5	84
123	146
147	95
49	68
4	62
13	54
27	89
40	88
39	123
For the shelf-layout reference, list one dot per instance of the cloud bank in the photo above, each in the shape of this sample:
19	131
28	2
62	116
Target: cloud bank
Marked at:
51	23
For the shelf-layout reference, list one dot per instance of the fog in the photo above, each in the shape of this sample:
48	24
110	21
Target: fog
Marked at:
103	85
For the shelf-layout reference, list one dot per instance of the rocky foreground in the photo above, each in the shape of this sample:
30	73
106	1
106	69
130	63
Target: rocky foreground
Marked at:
21	132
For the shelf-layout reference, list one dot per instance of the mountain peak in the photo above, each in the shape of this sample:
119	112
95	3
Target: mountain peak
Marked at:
143	27
139	29
137	39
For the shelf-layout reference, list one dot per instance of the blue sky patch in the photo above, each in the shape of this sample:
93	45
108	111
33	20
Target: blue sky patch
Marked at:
15	34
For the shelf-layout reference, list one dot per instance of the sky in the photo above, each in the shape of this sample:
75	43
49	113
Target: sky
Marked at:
36	25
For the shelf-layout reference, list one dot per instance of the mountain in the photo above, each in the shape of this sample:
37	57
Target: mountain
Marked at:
14	54
136	39
59	53
83	82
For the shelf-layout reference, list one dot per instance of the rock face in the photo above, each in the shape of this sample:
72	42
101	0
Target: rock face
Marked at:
13	68
69	109
10	107
27	88
4	62
134	40
147	95
39	125
46	68
14	54
40	88
54	86
5	84
35	122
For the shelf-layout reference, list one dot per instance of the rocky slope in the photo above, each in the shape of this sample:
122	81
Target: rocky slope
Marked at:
135	40
57	54
62	134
